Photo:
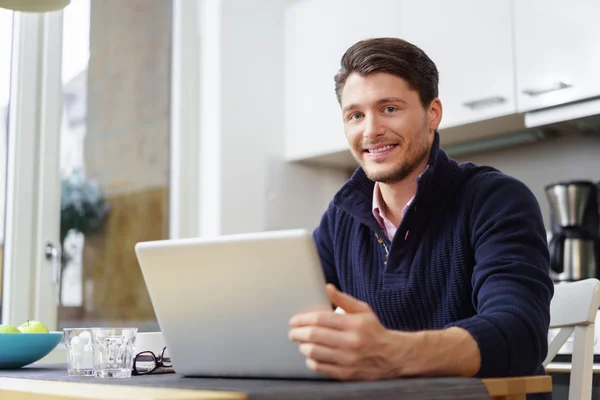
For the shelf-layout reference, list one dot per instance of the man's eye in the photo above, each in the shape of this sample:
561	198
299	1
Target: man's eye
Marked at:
390	109
356	115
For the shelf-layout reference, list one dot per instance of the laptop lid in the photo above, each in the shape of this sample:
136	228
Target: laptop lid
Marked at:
224	303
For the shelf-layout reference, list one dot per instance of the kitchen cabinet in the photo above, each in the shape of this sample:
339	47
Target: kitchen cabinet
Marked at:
317	33
496	58
470	41
556	51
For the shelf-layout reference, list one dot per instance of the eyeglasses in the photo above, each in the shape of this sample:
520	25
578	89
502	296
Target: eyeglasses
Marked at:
147	362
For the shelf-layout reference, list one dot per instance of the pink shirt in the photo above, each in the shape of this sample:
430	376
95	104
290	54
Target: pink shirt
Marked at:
386	225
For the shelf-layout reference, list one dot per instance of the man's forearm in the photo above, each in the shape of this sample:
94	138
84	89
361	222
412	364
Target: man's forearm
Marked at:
447	352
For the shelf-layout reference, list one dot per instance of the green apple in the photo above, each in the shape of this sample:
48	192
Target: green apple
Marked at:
33	327
8	329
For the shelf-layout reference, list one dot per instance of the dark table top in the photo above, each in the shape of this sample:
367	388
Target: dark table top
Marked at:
270	389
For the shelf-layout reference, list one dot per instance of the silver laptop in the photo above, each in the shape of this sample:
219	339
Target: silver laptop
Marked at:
224	304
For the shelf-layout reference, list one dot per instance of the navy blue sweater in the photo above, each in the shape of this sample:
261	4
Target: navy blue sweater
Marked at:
476	257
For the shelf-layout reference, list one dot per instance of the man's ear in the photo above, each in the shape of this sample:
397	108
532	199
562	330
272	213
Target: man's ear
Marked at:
434	113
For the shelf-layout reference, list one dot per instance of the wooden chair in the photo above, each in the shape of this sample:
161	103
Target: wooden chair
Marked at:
573	309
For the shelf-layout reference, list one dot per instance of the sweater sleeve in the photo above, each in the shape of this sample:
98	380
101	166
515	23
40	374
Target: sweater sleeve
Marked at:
323	239
512	288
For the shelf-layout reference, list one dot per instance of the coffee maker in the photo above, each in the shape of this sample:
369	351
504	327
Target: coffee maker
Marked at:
575	221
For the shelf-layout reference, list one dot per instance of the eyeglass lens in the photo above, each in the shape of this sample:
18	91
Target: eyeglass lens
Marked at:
144	362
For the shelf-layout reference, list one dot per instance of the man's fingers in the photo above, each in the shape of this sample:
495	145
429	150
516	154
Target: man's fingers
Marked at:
319	353
328	355
315	335
332	370
345	301
326	319
322	336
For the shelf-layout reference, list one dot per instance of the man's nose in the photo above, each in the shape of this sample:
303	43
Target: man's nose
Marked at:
373	127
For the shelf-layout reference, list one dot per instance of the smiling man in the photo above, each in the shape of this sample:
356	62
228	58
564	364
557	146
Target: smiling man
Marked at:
442	268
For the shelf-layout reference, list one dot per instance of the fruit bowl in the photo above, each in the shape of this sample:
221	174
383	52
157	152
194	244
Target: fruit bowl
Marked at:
20	349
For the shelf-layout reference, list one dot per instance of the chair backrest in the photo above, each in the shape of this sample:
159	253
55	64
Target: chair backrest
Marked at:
573	309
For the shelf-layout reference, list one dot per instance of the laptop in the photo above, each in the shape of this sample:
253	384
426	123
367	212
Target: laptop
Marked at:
224	304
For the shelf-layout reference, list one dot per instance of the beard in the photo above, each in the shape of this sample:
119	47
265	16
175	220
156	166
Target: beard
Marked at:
407	165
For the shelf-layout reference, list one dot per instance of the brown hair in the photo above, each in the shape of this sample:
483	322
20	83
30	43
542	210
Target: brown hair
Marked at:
394	56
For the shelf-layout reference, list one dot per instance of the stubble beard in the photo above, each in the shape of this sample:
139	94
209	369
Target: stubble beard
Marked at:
405	166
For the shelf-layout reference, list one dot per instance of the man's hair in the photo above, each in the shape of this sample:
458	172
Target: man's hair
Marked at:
393	56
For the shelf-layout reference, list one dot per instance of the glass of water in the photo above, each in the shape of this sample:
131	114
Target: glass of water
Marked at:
80	353
113	351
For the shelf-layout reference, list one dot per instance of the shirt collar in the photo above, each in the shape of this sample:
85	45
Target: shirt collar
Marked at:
377	206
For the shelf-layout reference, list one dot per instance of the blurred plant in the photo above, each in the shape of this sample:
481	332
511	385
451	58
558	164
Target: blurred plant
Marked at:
83	209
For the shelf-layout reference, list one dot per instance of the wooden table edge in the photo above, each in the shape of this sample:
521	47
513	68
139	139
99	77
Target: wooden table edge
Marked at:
26	389
19	388
498	387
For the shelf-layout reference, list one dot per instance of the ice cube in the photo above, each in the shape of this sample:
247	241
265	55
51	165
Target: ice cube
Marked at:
88	356
85	337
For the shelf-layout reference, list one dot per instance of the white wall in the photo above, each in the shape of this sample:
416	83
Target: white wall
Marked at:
245	185
565	158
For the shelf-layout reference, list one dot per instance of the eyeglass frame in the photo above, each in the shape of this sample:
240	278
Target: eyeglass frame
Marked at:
159	361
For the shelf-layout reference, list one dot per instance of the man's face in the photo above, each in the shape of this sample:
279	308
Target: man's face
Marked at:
388	129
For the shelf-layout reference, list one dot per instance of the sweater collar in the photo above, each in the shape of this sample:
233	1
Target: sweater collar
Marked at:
356	195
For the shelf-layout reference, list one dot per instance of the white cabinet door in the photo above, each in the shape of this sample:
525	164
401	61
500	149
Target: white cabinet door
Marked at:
318	32
470	41
557	50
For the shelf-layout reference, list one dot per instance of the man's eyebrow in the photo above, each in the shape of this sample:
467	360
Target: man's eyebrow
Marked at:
349	107
382	100
391	100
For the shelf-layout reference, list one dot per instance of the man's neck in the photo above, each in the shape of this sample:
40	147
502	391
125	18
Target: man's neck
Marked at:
396	195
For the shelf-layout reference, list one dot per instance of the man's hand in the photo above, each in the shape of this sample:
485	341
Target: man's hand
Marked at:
347	346
355	346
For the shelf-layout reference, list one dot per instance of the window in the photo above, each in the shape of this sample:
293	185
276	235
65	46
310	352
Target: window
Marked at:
115	157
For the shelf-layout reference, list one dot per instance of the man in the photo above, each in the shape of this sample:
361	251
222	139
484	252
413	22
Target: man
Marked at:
442	269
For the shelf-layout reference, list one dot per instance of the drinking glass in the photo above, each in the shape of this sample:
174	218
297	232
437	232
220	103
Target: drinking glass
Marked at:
80	353
113	351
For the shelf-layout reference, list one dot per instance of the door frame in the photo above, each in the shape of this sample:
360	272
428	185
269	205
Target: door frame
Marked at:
184	191
30	189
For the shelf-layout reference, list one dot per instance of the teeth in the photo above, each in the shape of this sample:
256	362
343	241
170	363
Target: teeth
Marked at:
380	149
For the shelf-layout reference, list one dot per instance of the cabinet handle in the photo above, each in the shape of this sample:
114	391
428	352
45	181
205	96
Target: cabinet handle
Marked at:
486	102
553	88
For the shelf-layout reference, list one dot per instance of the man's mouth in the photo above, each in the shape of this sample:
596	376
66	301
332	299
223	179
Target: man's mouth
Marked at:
380	149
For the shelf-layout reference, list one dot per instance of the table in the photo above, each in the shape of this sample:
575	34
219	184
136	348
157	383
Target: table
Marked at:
516	388
53	384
